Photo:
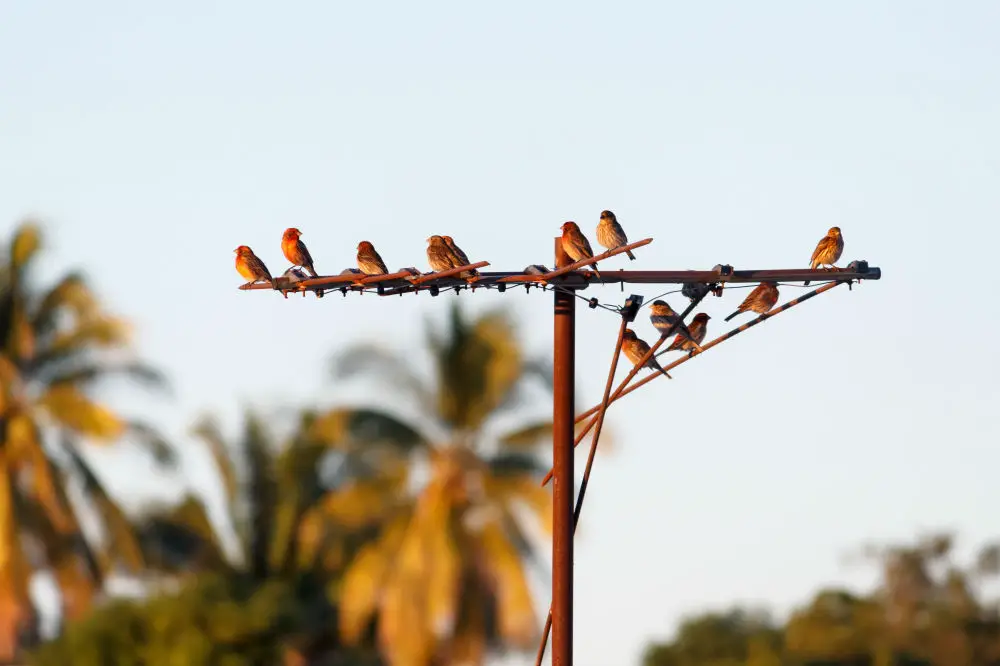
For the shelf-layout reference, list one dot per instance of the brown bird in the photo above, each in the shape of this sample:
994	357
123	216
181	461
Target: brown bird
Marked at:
459	257
295	250
610	234
576	245
635	348
439	255
662	316
369	260
828	250
250	266
698	329
760	300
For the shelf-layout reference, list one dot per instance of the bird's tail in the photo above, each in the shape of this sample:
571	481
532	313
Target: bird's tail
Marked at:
630	255
733	315
274	285
663	371
597	272
312	271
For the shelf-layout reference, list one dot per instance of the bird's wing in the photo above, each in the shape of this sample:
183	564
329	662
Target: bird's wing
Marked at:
822	246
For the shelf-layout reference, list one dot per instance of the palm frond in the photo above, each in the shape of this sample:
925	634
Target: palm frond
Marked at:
25	245
382	364
348	427
528	436
515	463
86	373
163	452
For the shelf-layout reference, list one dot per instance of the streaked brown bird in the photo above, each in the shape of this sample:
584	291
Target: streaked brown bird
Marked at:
295	250
662	316
250	266
610	234
369	260
459	257
828	250
575	244
698	329
439	255
760	300
635	348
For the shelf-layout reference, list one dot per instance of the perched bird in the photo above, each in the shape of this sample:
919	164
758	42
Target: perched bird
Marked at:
635	348
760	300
610	234
250	266
459	257
295	250
576	245
698	328
662	316
828	250
369	260
439	255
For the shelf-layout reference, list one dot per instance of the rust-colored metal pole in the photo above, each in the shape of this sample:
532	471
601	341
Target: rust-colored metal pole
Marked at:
563	370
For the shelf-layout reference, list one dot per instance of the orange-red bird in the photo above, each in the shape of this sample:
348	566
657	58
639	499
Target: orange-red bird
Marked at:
369	260
635	348
250	266
610	234
760	300
459	257
828	250
295	250
576	245
439	255
698	329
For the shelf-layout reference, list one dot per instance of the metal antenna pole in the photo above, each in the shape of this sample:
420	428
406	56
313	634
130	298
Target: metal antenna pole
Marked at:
563	415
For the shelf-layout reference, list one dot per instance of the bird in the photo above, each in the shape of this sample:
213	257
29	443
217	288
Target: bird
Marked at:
698	328
663	317
439	255
295	250
828	250
760	300
610	234
369	260
459	257
576	245
250	266
635	348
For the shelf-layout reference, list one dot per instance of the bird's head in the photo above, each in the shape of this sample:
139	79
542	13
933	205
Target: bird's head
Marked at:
448	239
433	240
366	246
834	231
291	233
569	226
702	317
242	249
608	215
629	334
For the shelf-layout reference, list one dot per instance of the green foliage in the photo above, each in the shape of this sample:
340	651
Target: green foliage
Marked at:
926	610
212	621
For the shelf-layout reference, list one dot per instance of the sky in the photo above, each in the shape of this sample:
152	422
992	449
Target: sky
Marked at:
152	140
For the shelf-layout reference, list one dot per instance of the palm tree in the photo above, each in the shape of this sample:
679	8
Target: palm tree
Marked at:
444	497
267	489
55	345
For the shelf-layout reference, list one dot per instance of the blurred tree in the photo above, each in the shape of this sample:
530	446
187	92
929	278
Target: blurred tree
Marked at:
925	610
260	603
55	345
738	637
445	575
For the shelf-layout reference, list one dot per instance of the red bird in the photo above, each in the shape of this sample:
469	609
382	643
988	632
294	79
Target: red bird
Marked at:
610	234
295	250
760	300
697	329
635	348
369	260
828	250
575	244
250	266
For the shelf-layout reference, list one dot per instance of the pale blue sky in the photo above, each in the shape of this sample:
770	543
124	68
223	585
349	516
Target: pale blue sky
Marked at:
153	141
